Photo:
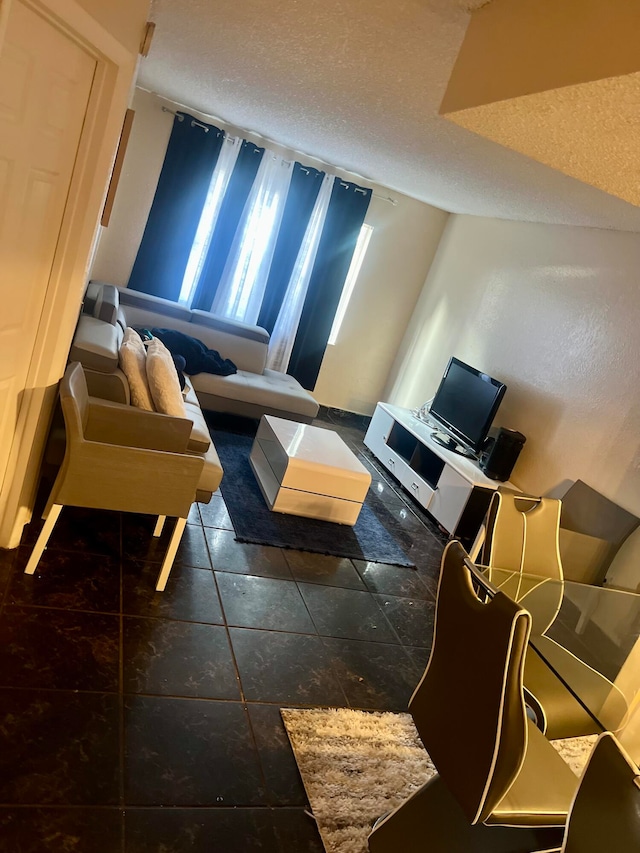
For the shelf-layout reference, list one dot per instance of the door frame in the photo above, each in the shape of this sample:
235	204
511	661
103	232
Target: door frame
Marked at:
113	83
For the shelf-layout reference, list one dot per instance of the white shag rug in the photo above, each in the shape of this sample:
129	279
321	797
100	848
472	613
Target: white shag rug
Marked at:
357	765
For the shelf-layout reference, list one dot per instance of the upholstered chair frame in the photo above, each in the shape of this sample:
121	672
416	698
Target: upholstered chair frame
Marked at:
522	535
501	786
120	458
606	811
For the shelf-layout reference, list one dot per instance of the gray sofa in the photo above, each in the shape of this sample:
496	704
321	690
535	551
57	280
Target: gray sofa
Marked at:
252	392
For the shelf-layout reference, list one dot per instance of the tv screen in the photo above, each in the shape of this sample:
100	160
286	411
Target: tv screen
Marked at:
465	404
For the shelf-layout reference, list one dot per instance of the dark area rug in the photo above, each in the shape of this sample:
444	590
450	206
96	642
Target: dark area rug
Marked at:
254	523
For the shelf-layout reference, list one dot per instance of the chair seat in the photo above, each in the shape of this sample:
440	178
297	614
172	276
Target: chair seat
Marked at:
543	790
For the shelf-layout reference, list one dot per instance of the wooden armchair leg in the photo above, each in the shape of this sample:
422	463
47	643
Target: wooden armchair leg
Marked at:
43	538
157	530
163	577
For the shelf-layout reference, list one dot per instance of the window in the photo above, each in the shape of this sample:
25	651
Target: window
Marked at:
354	269
217	189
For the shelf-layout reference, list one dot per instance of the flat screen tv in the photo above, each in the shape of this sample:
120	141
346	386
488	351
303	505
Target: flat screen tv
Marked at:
465	405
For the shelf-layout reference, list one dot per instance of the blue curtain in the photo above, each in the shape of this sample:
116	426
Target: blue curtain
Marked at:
240	183
182	188
345	217
303	192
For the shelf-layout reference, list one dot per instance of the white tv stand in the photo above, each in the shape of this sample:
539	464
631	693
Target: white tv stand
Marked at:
451	487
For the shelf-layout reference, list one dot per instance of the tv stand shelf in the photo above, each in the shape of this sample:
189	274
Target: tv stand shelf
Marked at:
451	487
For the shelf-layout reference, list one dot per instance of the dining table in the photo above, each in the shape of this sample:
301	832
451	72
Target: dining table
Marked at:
589	637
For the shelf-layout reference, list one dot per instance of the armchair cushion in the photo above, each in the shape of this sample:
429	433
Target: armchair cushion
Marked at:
200	437
211	475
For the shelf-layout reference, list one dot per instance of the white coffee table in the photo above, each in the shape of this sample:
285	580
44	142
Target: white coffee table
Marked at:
309	471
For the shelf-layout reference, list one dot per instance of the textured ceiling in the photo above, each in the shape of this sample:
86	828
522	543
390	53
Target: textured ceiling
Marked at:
358	84
589	131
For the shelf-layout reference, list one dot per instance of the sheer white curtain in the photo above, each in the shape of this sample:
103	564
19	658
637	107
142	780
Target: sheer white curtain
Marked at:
217	188
284	331
239	295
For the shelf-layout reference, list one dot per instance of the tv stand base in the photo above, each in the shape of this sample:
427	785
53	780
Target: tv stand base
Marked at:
449	486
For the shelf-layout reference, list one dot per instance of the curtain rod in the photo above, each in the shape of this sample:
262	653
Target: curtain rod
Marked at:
196	123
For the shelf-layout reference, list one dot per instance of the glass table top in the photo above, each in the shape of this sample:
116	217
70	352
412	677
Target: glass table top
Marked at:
588	635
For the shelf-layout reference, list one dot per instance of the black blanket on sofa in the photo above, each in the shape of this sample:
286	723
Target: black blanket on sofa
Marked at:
198	357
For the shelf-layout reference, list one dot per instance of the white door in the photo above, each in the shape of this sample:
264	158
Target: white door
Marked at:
45	83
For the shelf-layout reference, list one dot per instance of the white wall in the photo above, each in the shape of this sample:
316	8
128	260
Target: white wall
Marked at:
553	311
403	244
404	241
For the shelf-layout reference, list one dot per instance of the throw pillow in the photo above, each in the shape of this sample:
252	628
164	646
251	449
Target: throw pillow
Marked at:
163	380
132	358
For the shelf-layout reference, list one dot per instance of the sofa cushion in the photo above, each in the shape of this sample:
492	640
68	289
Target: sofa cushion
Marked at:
101	300
163	380
246	346
272	390
96	344
107	303
197	357
133	361
200	439
229	327
188	394
153	305
90	297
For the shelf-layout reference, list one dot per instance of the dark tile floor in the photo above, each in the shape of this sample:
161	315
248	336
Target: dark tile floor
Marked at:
137	721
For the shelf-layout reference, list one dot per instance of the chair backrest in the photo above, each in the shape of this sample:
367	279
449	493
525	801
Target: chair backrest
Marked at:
593	528
523	535
469	706
606	811
74	398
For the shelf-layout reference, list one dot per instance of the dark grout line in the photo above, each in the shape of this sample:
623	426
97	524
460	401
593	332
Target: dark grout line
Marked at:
65	806
74	690
226	626
420	534
121	730
26	606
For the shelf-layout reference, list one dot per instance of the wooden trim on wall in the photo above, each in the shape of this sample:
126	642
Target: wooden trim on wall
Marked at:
117	168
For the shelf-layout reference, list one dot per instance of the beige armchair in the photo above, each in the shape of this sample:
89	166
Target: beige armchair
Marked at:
121	458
